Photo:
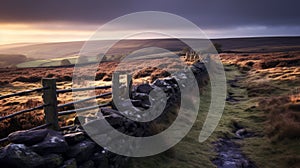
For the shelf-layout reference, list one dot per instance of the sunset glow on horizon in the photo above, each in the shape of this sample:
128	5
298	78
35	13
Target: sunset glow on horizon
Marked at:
11	33
40	33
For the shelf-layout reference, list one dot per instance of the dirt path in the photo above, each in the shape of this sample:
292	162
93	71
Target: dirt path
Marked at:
229	152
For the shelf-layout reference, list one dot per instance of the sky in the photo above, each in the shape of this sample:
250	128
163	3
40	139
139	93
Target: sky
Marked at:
24	21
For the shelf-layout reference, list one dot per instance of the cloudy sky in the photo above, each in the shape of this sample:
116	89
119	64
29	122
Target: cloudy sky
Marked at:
73	20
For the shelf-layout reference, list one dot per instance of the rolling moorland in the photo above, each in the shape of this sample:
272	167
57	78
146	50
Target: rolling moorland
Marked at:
51	54
260	125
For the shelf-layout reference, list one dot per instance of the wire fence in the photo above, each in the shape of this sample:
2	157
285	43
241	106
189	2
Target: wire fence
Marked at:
50	105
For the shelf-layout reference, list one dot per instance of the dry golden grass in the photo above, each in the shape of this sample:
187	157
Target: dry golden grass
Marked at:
272	78
272	97
263	60
283	118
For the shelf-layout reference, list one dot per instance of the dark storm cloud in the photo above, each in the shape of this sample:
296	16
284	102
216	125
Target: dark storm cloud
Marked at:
208	13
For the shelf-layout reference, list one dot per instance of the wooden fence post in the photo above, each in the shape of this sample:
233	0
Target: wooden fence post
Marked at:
115	88
129	85
50	100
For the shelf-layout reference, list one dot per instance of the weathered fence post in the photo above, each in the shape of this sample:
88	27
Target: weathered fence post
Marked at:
115	83
129	84
50	100
115	88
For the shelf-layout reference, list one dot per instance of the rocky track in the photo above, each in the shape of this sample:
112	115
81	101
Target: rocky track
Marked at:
229	151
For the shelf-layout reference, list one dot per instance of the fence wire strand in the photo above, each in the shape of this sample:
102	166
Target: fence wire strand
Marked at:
83	109
23	93
22	112
82	89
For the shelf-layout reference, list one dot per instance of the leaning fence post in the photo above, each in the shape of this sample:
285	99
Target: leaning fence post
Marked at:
50	100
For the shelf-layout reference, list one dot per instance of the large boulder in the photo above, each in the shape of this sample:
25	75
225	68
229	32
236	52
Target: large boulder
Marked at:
19	155
28	137
54	142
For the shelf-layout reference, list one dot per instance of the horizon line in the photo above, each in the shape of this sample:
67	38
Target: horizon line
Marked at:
164	38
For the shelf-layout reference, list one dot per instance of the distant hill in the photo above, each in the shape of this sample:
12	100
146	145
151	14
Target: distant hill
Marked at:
260	44
66	49
10	60
44	51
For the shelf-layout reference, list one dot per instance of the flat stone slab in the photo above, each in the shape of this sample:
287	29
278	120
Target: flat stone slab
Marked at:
28	137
